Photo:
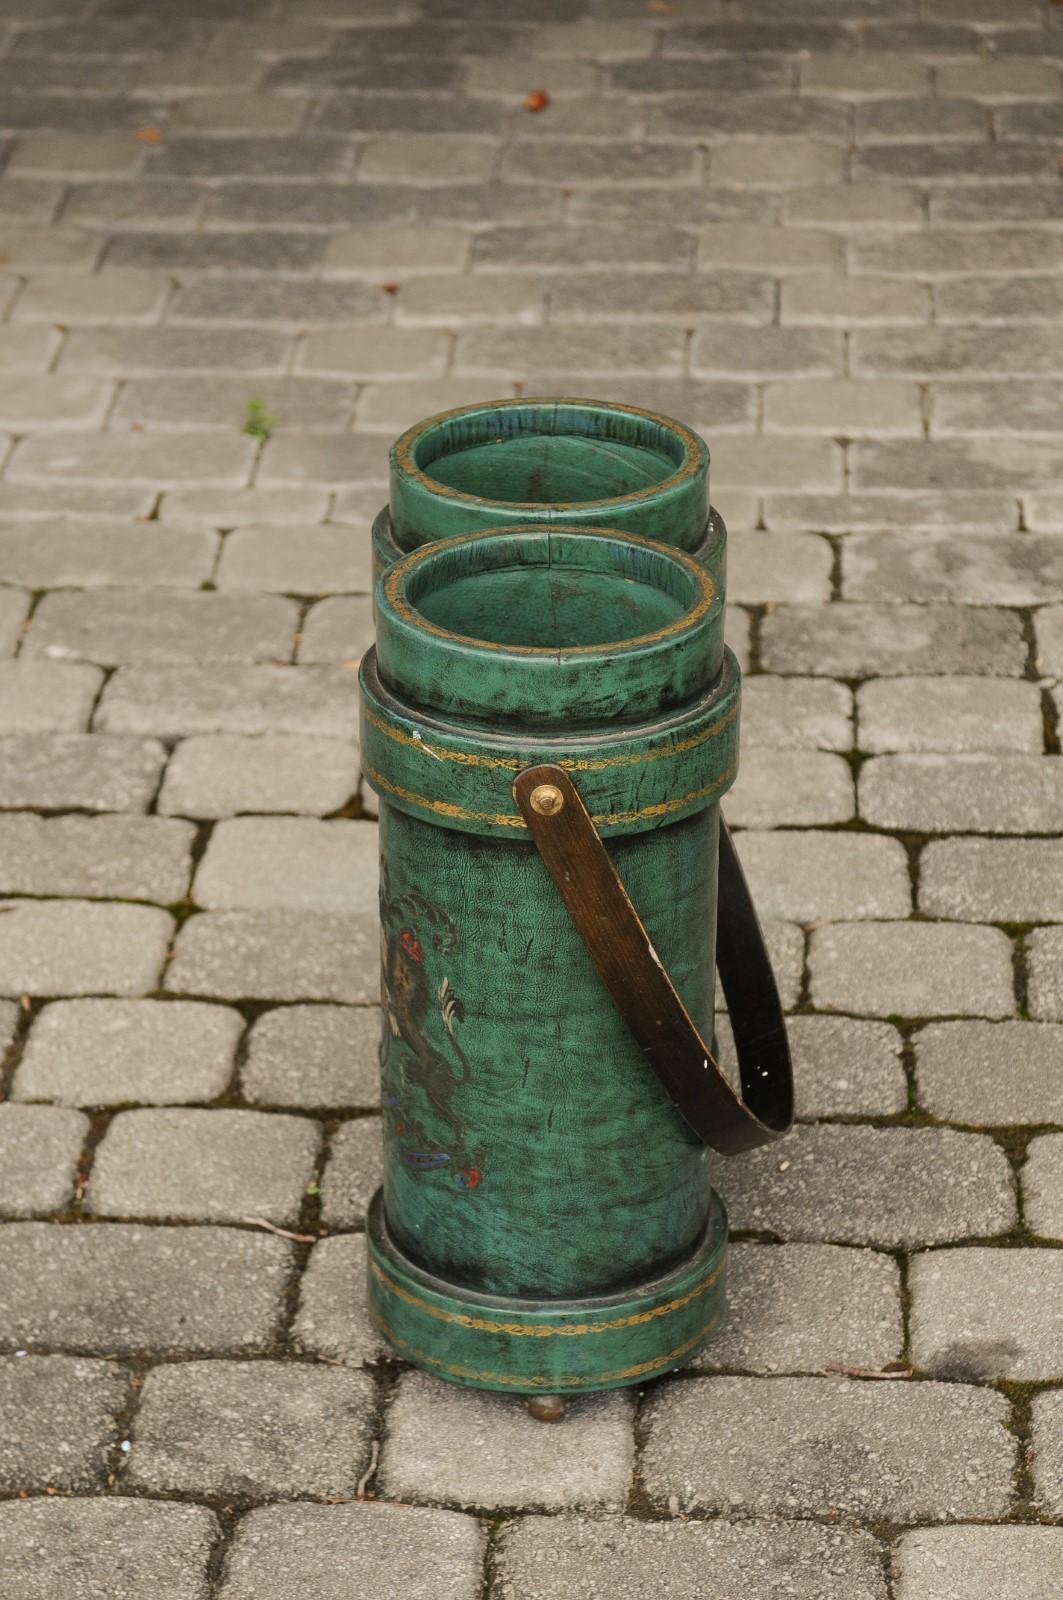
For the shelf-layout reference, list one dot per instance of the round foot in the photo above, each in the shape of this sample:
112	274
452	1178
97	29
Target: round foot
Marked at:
547	1407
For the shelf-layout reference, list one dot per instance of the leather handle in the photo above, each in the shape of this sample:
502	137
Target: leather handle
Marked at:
622	951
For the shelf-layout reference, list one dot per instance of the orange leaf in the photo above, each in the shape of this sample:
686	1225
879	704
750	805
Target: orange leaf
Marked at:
537	100
661	6
148	135
391	288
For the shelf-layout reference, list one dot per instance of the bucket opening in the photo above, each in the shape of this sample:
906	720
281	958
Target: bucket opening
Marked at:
551	591
551	453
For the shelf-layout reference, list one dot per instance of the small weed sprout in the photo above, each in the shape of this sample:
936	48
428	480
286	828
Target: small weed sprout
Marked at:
259	422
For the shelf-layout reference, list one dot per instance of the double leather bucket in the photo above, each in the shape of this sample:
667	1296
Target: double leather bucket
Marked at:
549	720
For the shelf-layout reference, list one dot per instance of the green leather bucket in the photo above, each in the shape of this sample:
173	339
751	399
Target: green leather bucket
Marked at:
562	462
547	1221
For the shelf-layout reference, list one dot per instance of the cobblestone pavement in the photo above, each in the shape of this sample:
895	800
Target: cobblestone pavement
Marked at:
825	233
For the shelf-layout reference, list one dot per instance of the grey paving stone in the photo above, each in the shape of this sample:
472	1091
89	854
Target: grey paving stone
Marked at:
29	248
474	1448
872	77
881	509
235	508
333	1317
1016	1563
89	554
950	350
124	351
856	641
79	297
1014	407
39	1151
27	349
394	404
14	606
796	713
760	462
991	1073
509	249
843	406
337	630
46	502
962	793
815	1446
278	955
370	352
294	863
1047	1452
914	969
127	858
313	1056
1042	1185
112	1289
976	569
834	300
206	1166
160	459
178	700
85	1548
46	696
845	1066
217	401
353	1172
286	1429
59	1422
303	560
992	880
131	628
783	163
749	246
979	1314
50	947
790	788
1045	964
54	402
449	300
217	775
999	80
381	252
113	1052
766	351
950	714
806	876
857	206
552	1558
958	163
328	460
767	567
926	254
912	121
732	296
891	1187
1048	627
63	771
999	300
297	1550
1045	512
805	1307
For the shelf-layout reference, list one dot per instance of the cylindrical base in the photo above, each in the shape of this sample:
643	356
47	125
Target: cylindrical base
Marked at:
553	1346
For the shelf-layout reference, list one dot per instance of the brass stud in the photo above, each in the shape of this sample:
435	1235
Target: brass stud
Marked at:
547	800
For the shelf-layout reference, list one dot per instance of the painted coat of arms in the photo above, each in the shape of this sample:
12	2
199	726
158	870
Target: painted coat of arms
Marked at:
423	1064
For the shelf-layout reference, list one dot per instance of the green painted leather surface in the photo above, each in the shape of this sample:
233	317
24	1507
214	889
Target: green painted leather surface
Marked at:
528	1148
